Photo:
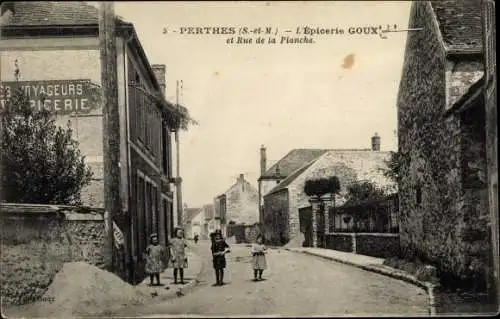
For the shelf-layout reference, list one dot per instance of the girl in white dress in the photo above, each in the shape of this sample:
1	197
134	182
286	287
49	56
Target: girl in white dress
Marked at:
259	262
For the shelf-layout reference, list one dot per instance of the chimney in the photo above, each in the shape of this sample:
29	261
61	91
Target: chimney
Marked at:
375	142
263	160
159	70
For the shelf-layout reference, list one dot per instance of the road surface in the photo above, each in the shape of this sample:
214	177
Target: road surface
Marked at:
295	285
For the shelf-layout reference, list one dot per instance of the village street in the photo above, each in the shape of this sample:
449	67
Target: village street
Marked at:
295	285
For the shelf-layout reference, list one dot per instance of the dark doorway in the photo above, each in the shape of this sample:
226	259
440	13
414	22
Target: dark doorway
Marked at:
320	225
305	221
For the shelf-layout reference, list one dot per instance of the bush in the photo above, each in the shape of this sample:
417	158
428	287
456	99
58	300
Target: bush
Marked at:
322	186
41	161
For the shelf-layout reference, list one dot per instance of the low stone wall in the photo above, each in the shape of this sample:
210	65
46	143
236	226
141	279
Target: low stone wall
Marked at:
377	245
380	245
342	242
37	240
243	233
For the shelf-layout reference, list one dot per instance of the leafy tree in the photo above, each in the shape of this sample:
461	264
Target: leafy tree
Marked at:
363	191
394	164
322	186
41	161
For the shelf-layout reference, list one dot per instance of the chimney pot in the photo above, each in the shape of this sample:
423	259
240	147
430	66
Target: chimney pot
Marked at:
263	160
376	142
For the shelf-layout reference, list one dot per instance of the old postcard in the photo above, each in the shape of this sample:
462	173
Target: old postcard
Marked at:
248	159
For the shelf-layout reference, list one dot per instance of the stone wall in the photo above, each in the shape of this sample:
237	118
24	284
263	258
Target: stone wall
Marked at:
35	246
243	233
275	216
93	194
342	242
434	209
375	245
378	245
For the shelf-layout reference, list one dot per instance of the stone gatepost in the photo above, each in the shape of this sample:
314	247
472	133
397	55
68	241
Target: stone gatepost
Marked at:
328	203
315	202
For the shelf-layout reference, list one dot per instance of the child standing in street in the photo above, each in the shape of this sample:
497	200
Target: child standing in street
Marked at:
178	252
219	250
259	263
154	256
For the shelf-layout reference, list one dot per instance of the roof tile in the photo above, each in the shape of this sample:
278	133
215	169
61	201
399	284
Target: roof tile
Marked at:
459	22
51	13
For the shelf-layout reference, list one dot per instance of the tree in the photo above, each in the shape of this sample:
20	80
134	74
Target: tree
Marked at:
322	186
394	165
42	163
363	191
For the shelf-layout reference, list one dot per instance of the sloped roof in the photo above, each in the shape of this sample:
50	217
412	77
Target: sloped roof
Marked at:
287	181
191	213
248	187
293	161
59	14
348	165
51	13
459	22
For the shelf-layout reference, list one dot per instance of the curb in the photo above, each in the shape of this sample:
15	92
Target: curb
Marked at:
427	286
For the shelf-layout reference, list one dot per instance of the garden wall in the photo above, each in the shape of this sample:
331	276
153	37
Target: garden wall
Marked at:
342	242
37	240
243	233
370	244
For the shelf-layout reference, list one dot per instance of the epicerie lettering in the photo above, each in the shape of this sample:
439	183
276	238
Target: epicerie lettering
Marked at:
67	105
319	31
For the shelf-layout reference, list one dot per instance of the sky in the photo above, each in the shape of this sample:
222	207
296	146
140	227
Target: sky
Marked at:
333	93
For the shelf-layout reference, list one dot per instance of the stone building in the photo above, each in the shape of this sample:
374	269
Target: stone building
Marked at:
239	204
441	129
193	222
220	212
270	177
56	47
283	202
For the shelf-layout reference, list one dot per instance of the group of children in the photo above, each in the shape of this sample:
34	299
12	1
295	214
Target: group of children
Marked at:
155	255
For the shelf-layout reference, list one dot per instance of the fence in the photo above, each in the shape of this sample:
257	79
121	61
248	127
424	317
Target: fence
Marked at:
370	216
368	227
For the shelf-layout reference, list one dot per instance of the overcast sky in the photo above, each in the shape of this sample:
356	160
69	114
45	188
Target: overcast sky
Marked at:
334	93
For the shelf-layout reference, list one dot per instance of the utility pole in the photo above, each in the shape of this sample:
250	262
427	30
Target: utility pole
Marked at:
178	179
111	126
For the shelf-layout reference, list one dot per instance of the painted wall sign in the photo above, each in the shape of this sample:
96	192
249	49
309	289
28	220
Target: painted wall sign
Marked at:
58	96
118	236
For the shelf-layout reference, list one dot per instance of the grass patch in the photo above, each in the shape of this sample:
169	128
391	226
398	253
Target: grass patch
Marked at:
416	268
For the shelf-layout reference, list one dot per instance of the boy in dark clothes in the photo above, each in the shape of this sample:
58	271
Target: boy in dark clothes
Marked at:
219	250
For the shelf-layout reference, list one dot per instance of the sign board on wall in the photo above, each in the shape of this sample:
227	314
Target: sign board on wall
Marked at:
118	235
58	96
